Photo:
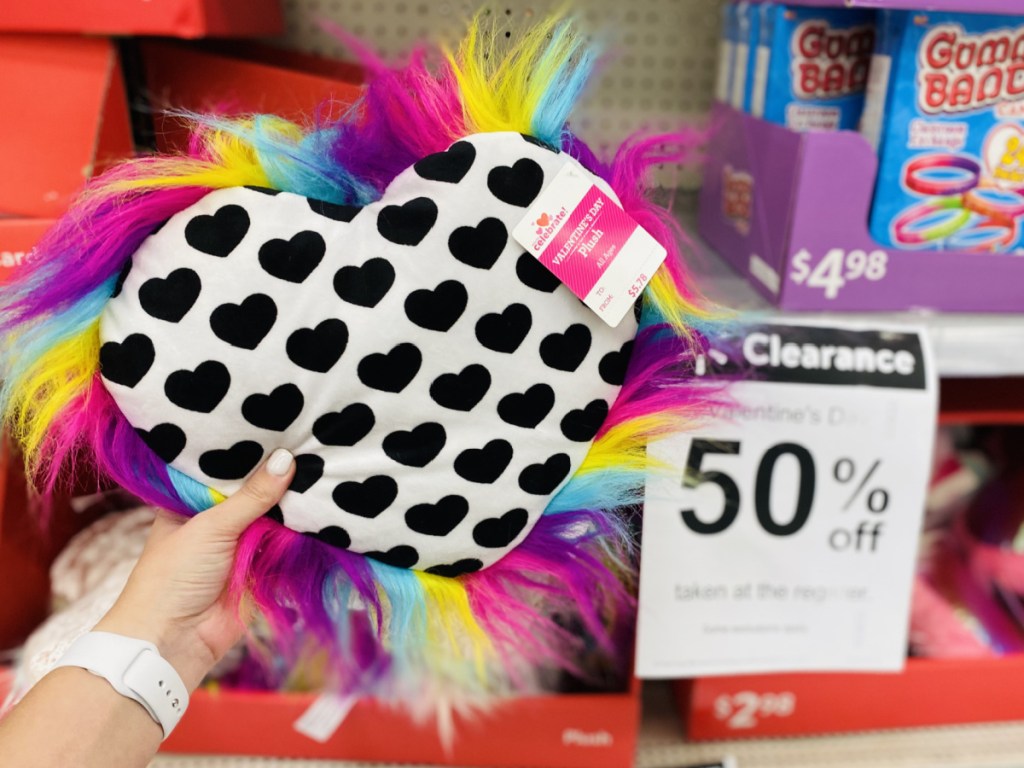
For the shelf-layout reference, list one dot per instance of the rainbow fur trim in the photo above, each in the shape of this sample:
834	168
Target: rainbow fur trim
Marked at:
568	590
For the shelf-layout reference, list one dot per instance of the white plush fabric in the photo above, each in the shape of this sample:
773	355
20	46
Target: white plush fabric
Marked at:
94	552
437	384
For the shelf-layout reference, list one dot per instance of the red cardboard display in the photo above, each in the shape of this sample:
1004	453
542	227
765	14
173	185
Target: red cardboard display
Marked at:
250	79
981	401
17	238
67	118
579	730
173	18
27	548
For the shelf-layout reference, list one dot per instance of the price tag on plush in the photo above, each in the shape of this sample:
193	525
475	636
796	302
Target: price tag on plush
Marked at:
788	540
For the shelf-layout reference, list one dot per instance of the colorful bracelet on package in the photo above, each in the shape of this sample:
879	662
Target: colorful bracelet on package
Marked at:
962	174
1000	205
988	236
913	228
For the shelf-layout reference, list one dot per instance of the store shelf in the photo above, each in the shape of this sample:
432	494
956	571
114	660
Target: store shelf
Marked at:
662	746
965	346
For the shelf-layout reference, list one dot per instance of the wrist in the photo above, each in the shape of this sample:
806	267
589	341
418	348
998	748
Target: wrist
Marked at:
179	644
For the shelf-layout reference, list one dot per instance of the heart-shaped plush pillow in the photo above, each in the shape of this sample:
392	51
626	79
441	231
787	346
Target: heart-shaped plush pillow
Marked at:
470	441
436	383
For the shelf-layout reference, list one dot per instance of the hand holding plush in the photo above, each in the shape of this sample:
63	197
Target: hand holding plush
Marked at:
469	437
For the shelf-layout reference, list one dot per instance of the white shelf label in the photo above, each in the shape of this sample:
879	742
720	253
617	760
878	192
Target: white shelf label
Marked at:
324	717
787	539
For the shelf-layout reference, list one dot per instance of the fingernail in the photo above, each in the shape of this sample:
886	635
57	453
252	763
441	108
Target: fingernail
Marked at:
280	462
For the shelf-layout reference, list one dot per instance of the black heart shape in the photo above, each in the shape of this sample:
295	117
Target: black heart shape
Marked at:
333	211
200	390
461	391
346	427
121	277
450	166
409	223
565	351
459	567
498	532
232	463
518	184
367	498
484	465
613	365
165	440
275	411
318	349
504	331
219	234
159	225
438	519
540	143
479	246
334	535
308	469
438	309
529	408
416	447
170	298
293	260
245	325
391	372
275	514
126	362
542	479
402	556
365	286
533	274
580	425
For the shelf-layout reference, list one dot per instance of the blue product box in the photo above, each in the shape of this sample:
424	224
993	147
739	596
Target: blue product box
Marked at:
750	38
879	94
814	66
742	53
951	168
726	53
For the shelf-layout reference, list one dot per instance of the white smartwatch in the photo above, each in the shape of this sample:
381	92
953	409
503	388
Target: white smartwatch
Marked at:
135	669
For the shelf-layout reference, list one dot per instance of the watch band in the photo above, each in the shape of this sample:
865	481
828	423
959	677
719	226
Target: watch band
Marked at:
135	669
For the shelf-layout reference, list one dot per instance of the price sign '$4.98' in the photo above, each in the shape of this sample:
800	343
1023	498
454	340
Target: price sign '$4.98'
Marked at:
837	268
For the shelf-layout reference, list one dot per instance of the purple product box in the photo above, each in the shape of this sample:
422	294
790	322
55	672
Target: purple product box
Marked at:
963	6
790	211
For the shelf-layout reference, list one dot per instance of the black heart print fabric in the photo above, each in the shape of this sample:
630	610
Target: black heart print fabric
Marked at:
437	384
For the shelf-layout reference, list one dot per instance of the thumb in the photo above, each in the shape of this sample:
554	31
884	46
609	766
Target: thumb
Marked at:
261	492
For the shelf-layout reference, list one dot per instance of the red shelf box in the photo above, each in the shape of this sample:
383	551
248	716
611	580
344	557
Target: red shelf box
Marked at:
172	18
578	730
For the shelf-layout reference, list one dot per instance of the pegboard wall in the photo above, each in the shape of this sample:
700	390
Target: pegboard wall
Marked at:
658	74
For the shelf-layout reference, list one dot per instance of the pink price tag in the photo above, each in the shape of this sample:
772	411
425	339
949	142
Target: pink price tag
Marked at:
587	243
580	233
